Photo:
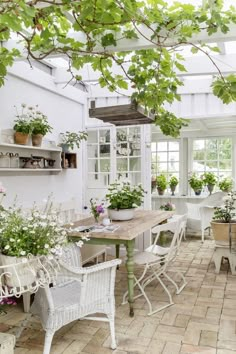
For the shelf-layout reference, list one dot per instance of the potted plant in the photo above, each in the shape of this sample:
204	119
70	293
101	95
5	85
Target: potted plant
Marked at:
71	139
226	184
161	184
173	182
123	199
196	183
39	125
22	126
210	180
224	222
28	236
153	183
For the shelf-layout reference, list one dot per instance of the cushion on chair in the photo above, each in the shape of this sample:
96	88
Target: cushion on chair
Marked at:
145	257
158	250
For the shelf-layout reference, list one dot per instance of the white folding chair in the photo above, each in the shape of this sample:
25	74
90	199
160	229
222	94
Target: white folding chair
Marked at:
158	266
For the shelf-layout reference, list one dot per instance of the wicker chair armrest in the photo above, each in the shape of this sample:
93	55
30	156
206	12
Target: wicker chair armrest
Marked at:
88	270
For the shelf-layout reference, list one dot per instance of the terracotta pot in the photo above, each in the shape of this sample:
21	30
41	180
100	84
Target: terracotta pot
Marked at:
160	191
21	138
221	233
121	214
37	139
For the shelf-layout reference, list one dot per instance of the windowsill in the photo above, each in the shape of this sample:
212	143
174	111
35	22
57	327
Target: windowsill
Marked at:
169	196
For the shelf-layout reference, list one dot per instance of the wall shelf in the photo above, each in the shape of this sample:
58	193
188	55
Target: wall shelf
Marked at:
14	157
68	160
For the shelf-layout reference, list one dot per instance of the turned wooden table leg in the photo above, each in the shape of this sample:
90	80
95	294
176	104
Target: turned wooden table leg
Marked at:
130	274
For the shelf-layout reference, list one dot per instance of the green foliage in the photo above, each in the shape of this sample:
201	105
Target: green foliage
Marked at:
173	182
73	139
162	182
124	196
195	182
226	184
209	178
226	213
152	73
40	125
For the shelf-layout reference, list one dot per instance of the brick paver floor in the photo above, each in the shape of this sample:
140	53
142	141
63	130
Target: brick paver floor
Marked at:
202	320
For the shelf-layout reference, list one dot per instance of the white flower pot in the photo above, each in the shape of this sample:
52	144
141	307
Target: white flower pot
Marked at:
17	271
121	214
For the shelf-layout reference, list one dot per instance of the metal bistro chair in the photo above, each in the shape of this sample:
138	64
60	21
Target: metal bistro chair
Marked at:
158	266
77	293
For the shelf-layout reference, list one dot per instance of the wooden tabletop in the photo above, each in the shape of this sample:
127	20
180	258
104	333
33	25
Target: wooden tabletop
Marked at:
143	220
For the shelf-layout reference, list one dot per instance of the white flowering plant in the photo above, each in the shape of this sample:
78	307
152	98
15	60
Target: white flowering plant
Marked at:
122	195
38	233
226	213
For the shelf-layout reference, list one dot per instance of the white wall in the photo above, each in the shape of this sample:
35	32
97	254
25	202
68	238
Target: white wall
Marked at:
65	109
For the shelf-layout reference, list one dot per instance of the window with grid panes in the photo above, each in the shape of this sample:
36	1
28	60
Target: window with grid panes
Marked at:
213	155
165	159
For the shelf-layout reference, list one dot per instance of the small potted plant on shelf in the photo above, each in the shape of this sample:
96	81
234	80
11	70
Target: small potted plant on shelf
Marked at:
39	126
161	184
224	222
173	182
22	126
226	184
196	183
210	180
122	199
71	139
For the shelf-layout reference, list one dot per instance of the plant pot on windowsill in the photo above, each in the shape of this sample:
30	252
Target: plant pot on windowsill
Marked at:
65	147
160	191
173	188
210	188
197	191
121	214
21	138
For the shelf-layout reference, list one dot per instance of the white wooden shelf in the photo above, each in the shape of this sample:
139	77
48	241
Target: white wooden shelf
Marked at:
30	147
49	159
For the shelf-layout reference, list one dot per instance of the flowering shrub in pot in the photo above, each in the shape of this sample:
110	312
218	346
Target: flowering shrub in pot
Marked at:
26	236
123	196
161	184
22	126
224	221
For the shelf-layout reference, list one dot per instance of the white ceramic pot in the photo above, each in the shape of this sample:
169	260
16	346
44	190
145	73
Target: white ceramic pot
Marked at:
122	214
16	271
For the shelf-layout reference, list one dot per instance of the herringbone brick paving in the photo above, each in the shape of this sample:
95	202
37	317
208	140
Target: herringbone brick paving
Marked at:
202	320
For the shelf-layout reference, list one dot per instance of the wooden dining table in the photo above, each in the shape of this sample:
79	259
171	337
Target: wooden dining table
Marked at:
127	232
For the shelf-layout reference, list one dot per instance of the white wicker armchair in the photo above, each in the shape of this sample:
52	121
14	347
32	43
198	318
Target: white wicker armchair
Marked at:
200	215
76	294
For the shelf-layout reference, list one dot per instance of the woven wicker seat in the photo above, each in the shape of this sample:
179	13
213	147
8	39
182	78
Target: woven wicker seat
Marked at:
77	293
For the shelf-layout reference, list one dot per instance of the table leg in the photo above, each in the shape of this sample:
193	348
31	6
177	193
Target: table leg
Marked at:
118	253
130	274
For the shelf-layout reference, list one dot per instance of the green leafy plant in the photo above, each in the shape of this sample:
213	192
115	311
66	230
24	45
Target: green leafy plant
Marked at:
196	183
152	71
40	125
73	139
38	233
226	184
209	178
162	182
124	196
173	182
226	213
